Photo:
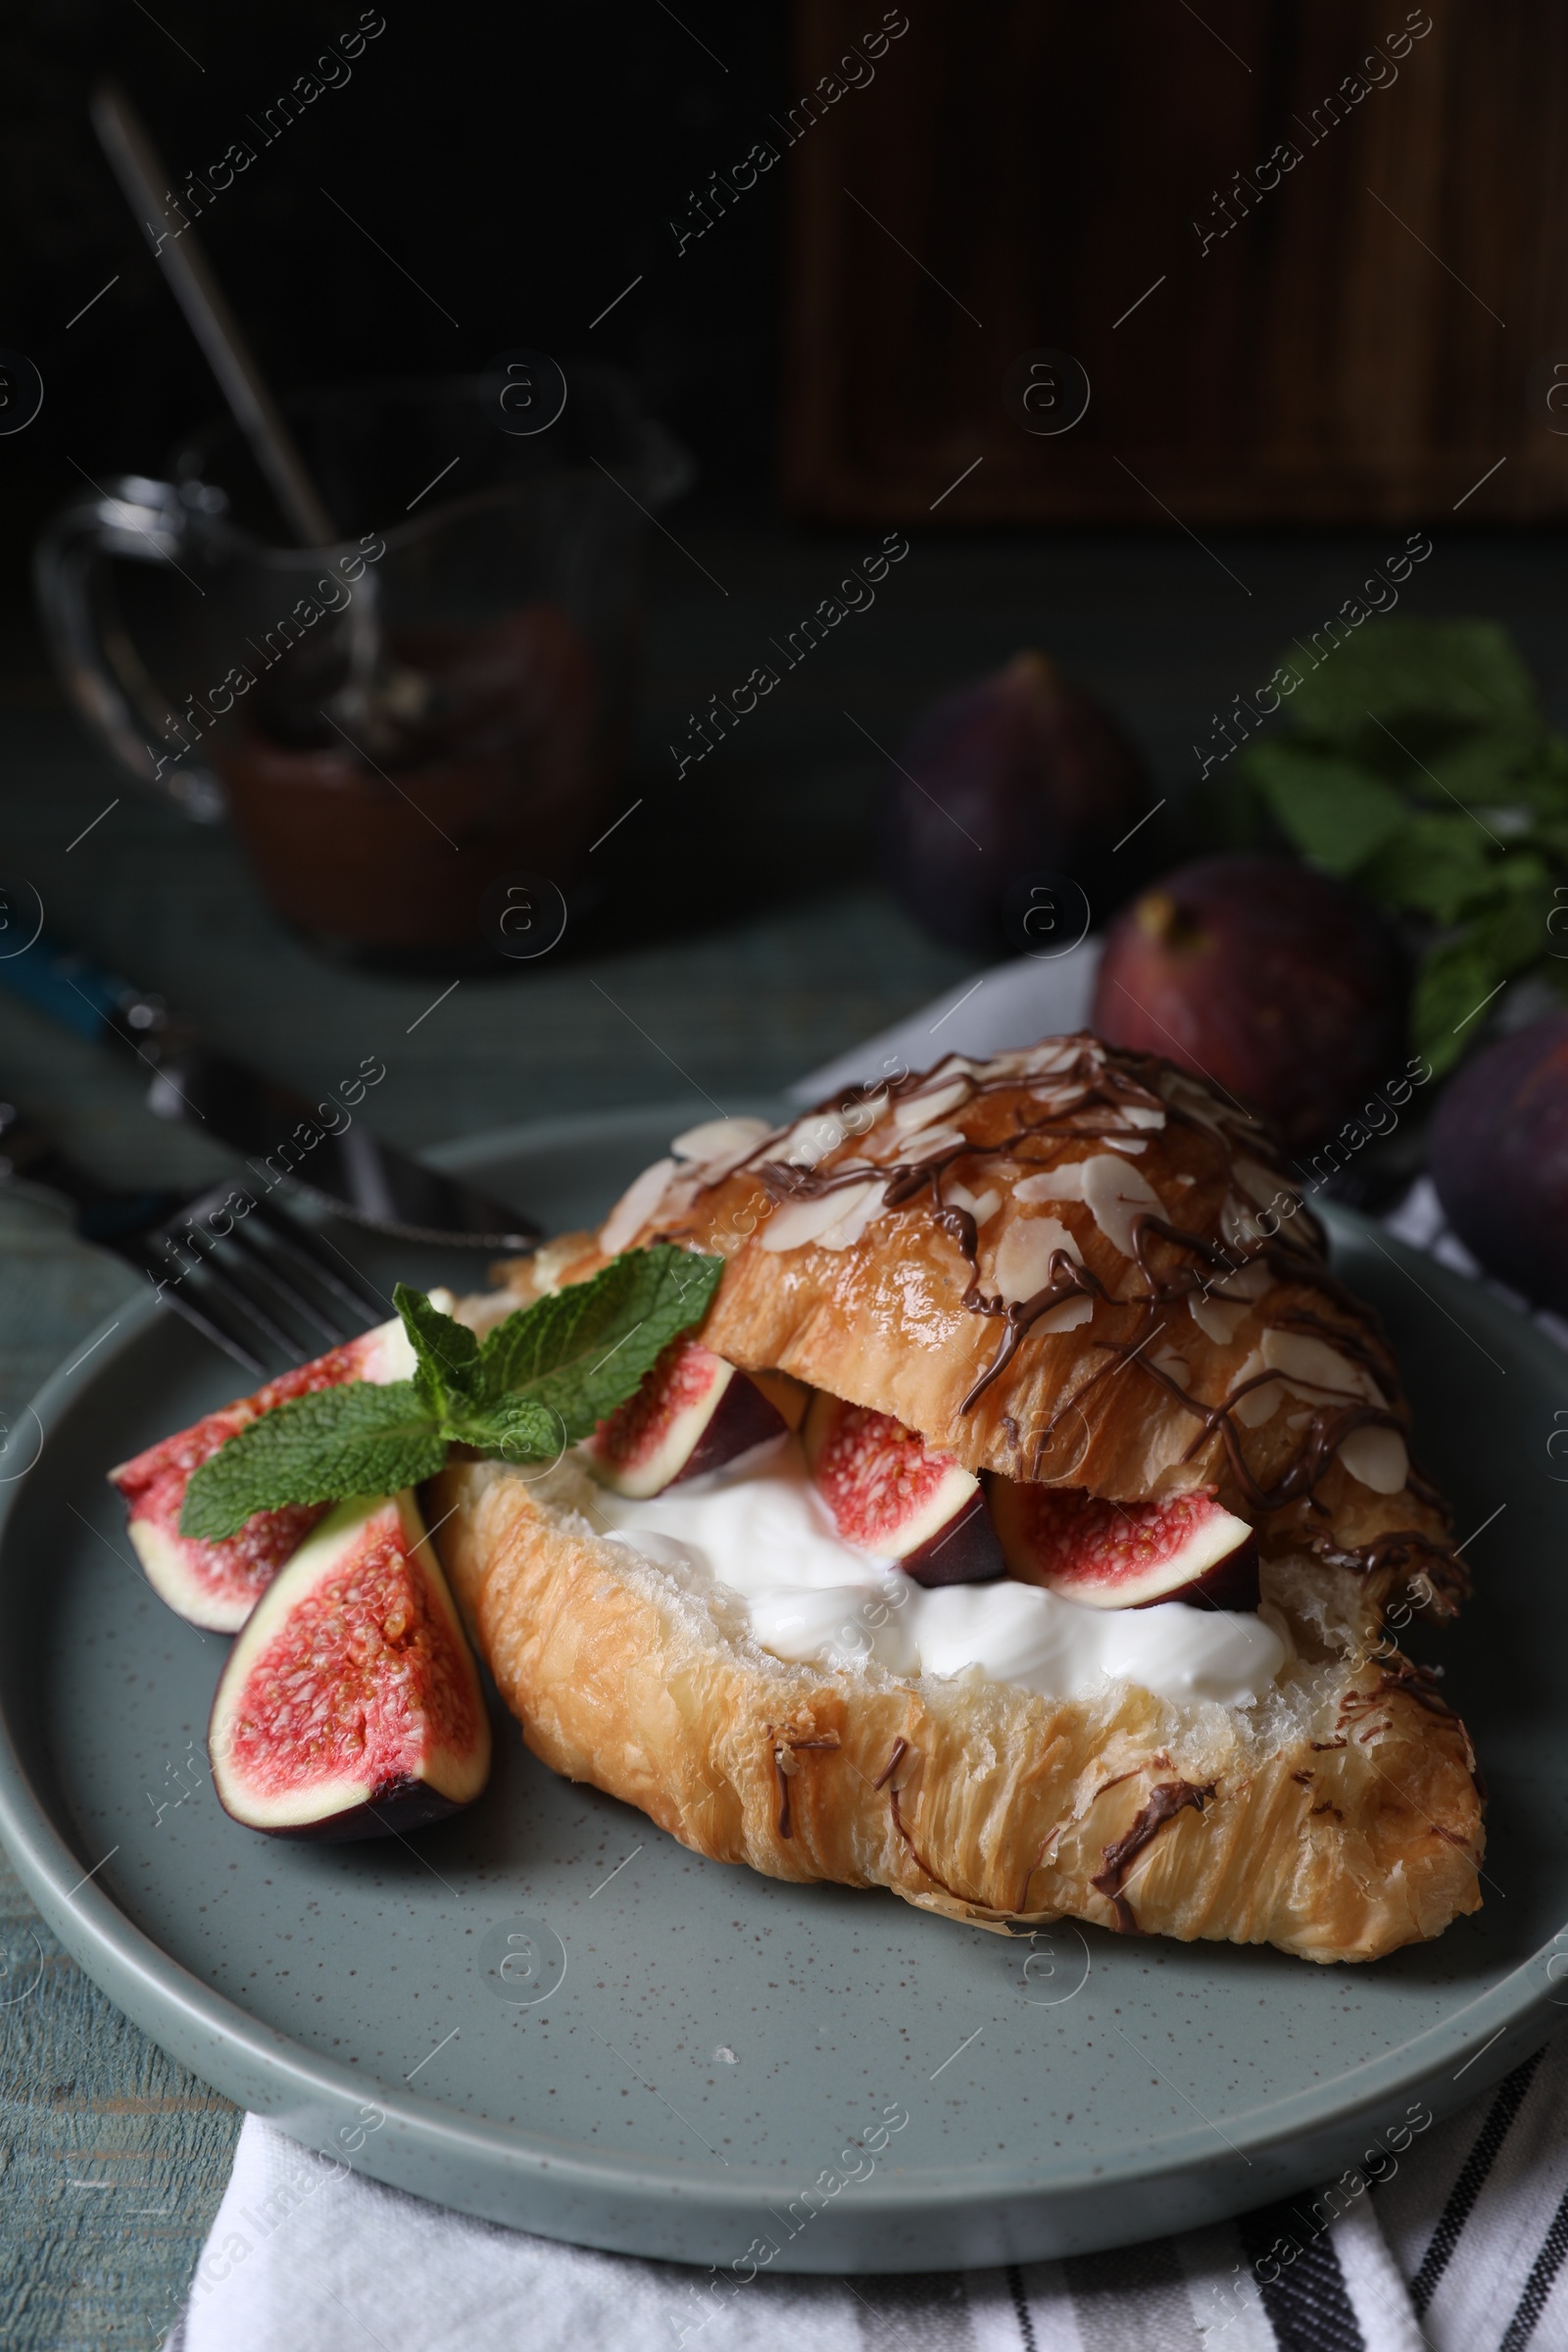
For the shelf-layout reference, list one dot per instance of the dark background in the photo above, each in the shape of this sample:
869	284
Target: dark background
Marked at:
520	162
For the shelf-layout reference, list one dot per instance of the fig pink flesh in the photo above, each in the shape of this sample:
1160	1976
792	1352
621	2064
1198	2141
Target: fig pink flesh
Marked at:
1125	1555
891	1493
216	1585
693	1413
361	1683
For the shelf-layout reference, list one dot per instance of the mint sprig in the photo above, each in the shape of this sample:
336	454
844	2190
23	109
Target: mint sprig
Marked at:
1416	763
534	1384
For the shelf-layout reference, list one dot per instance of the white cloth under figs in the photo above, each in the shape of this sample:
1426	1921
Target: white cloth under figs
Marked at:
1460	2249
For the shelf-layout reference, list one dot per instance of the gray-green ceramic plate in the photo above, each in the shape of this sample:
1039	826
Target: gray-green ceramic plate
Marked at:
684	2057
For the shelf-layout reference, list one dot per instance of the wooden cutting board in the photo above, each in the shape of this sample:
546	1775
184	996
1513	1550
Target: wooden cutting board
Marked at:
1311	255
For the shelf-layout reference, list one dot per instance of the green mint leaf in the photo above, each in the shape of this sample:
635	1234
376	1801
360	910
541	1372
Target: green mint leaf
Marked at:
1450	675
582	1351
540	1381
1331	810
448	1353
1439	863
358	1438
516	1427
1453	980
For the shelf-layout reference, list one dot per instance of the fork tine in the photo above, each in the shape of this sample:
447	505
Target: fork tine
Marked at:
207	1282
299	1241
182	1305
256	1260
243	1281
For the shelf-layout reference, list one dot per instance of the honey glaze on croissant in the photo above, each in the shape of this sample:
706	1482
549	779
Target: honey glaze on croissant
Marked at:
1068	1267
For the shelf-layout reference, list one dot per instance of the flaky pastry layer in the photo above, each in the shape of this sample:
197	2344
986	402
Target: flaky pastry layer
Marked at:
1337	1821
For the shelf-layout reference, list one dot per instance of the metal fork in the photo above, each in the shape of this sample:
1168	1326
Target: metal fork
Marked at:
255	1282
264	1277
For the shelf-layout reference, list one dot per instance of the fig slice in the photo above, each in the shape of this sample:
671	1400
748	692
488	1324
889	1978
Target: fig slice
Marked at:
890	1493
694	1412
351	1706
216	1585
1125	1555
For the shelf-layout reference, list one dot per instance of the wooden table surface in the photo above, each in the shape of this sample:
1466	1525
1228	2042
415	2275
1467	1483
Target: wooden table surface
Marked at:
743	938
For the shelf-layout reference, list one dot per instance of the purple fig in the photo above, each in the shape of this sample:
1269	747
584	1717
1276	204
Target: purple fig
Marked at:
1020	774
1499	1158
1281	987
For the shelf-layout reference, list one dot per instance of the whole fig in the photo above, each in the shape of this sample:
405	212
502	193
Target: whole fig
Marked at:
1284	988
1498	1157
1020	773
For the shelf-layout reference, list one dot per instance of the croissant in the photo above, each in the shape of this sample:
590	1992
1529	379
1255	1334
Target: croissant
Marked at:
1069	1266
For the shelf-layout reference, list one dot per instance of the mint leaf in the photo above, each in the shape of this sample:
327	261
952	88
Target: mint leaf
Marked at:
541	1380
358	1438
1331	809
1449	674
1436	865
448	1353
518	1429
582	1351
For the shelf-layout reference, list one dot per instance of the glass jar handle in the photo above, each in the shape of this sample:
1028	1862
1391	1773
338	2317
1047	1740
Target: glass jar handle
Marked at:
92	648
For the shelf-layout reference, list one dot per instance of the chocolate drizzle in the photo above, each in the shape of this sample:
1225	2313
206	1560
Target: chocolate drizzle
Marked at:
902	1827
786	1827
1164	1802
1091	1097
1402	1548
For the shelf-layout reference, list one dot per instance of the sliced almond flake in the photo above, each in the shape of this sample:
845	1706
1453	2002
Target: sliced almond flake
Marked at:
930	1141
1066	1317
812	1139
1051	1184
1022	1265
1185	1094
1141	1114
1217	1319
858	1204
979	1205
717	1139
930	1105
1266	1189
796	1222
1376	1458
1258	1404
1317	1366
1126	1142
1247	1282
1238	1225
1117	1196
635	1206
860	1117
1174	1367
1060	1054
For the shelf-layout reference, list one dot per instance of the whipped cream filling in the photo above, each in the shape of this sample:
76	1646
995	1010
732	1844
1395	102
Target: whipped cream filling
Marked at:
760	1530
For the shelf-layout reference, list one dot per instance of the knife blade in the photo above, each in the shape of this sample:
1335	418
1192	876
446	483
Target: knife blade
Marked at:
318	1147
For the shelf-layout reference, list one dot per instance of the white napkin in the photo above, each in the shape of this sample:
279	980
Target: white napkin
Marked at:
1458	2250
1461	2248
1010	1004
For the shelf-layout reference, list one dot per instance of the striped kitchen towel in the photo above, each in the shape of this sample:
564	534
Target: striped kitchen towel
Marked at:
1459	2247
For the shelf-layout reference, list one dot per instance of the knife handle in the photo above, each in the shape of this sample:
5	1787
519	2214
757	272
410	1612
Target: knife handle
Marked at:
82	995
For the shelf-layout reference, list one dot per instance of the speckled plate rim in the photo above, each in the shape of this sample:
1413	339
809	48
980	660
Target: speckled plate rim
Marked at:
910	2218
